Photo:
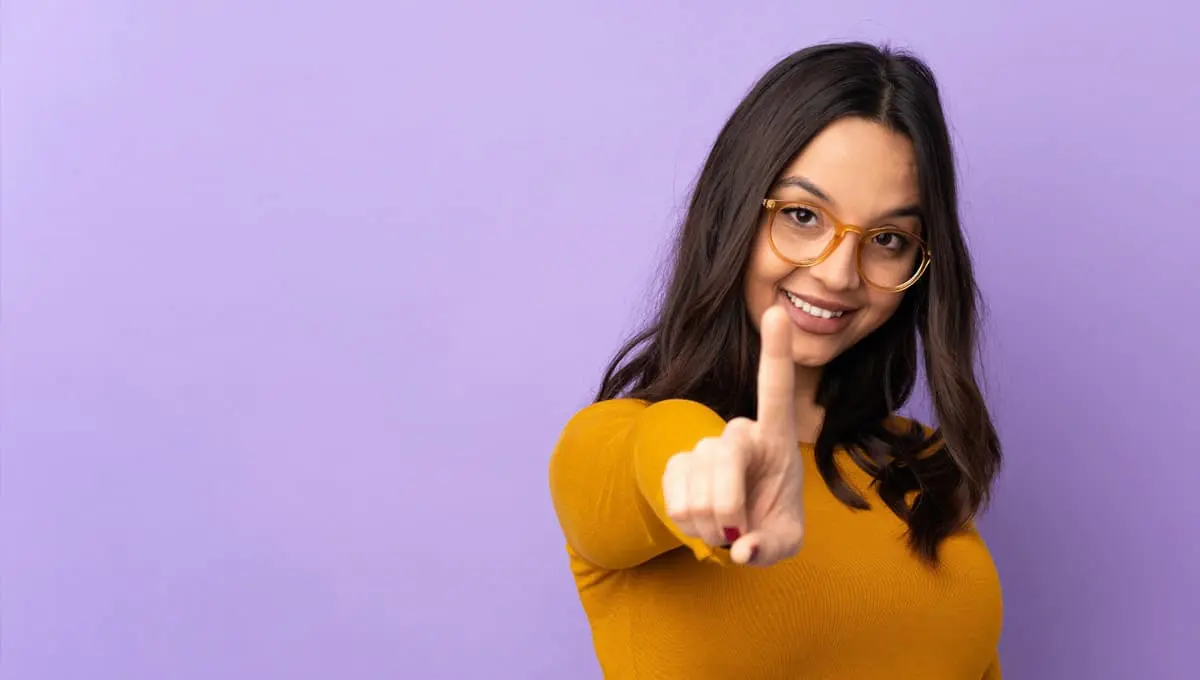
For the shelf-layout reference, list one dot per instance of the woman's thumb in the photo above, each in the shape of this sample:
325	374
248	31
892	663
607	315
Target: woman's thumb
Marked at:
762	548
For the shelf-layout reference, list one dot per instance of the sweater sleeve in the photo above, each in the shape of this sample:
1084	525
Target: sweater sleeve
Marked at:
993	669
606	479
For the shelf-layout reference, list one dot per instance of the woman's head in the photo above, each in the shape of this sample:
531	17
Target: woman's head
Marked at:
833	135
839	284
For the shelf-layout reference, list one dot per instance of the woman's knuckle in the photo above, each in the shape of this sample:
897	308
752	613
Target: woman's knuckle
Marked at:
738	424
725	508
677	511
677	464
733	453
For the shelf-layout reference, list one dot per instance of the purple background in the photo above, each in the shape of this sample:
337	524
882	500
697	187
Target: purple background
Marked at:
296	297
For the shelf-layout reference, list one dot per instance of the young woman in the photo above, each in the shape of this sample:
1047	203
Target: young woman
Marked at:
741	500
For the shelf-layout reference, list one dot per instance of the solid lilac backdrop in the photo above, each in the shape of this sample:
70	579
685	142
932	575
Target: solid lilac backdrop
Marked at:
296	297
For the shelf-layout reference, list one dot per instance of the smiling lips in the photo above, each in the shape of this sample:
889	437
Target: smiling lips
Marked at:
817	316
833	311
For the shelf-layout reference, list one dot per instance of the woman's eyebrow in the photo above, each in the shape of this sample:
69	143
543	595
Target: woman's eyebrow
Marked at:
806	184
811	187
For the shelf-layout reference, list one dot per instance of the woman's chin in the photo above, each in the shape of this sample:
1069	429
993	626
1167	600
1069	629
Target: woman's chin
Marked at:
813	357
813	351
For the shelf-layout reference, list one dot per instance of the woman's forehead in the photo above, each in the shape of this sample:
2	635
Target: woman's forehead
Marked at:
854	166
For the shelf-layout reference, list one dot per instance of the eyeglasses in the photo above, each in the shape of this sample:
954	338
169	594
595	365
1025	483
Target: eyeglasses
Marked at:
804	234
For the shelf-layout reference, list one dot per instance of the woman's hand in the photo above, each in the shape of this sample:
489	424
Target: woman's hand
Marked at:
746	486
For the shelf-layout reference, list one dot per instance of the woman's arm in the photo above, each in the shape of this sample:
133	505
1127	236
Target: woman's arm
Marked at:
993	669
606	479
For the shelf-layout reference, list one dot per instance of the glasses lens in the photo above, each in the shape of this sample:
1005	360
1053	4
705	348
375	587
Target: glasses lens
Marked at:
801	233
890	258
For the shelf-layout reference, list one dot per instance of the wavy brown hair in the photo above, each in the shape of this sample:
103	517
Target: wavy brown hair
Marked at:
702	346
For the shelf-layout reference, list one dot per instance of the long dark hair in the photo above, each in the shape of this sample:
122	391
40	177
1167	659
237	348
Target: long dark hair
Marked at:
702	346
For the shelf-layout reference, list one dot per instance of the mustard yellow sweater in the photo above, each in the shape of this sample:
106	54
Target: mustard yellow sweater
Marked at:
854	604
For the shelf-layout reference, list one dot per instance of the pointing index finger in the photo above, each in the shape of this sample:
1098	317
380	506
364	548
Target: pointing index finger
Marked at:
776	375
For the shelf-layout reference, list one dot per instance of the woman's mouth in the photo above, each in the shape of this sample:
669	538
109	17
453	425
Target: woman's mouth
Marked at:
811	309
816	316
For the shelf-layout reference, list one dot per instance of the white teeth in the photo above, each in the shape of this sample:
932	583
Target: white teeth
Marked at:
811	309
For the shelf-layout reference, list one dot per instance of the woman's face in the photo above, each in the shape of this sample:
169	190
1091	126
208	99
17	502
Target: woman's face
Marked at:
861	173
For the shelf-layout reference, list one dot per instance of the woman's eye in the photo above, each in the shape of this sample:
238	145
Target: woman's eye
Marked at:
891	241
802	216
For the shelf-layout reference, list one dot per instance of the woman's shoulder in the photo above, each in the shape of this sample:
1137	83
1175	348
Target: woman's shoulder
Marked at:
609	412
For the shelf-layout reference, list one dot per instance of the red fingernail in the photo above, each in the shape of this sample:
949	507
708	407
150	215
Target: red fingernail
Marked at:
732	534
